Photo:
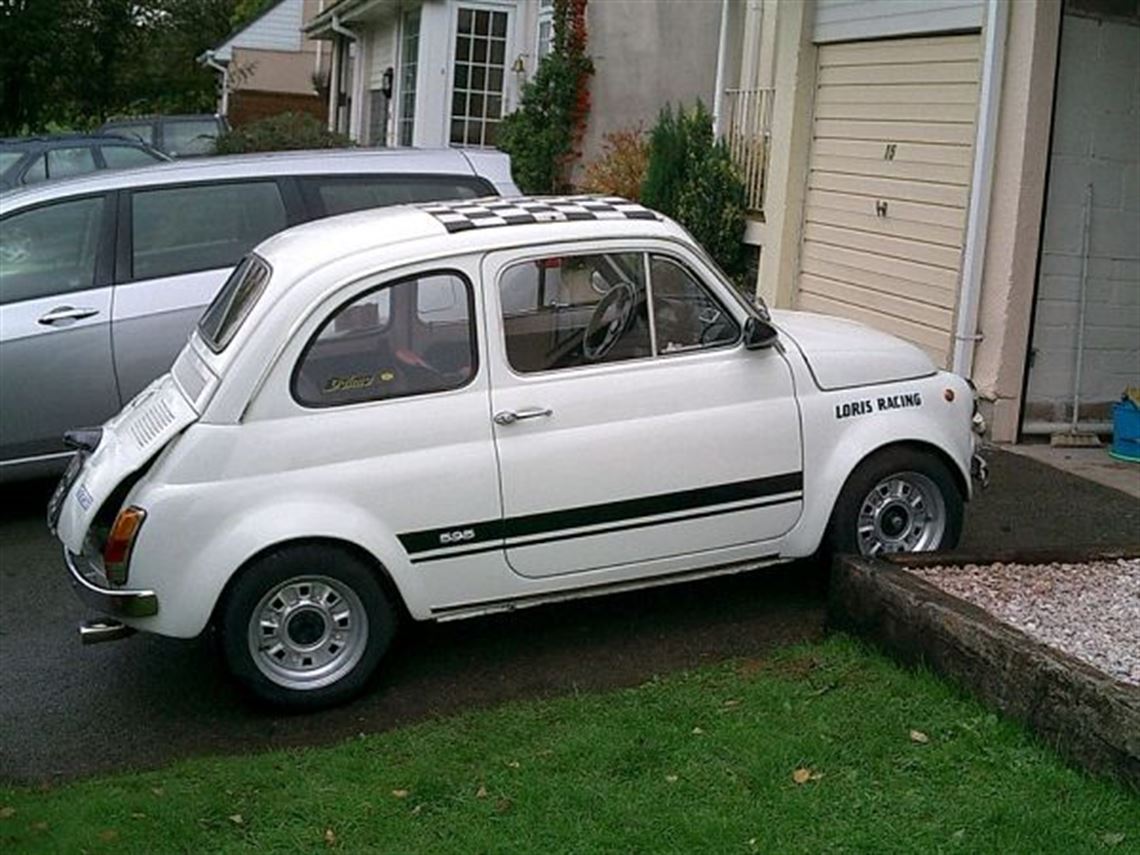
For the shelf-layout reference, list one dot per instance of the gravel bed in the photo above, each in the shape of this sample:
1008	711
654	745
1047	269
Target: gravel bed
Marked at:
1089	610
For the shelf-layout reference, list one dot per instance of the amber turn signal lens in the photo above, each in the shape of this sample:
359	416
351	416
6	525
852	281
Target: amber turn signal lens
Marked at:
948	395
117	552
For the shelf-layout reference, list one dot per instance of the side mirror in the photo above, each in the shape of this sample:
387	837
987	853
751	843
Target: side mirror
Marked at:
759	334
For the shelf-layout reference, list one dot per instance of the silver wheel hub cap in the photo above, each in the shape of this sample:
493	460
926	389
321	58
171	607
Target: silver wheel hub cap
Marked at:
308	632
902	513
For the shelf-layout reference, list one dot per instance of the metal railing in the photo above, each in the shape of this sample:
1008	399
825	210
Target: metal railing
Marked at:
748	134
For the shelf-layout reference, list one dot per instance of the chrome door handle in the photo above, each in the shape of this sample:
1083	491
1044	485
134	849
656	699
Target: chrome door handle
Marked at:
66	313
509	417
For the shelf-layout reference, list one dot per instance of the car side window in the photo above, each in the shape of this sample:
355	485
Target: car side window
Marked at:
65	162
37	172
125	156
574	310
190	137
50	250
685	315
144	132
342	194
409	337
178	230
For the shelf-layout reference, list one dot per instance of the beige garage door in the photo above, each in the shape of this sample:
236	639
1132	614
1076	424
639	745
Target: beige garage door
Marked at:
889	184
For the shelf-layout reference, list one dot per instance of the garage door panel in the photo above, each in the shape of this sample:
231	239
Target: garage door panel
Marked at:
933	294
939	113
936	92
902	51
889	190
886	226
927	72
896	169
884	264
936	155
896	132
879	301
895	247
931	340
889	177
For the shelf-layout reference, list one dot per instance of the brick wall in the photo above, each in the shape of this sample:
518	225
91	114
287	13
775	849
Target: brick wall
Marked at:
1096	139
248	105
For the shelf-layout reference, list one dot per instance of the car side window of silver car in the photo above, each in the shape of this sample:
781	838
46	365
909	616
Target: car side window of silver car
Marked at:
575	310
410	337
685	315
50	250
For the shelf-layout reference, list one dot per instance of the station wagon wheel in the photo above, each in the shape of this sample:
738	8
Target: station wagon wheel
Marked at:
304	627
900	499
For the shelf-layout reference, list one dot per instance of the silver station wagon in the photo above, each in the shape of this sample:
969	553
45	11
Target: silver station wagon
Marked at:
102	278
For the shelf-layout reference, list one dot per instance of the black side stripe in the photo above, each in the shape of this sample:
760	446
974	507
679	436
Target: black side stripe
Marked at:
473	534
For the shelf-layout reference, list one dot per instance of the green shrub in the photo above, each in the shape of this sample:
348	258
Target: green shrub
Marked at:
283	132
543	134
692	179
621	168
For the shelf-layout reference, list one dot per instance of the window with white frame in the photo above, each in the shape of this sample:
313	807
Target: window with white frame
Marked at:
544	41
409	64
479	76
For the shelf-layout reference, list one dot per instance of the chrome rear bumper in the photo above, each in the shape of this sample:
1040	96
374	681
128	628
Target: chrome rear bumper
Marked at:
93	589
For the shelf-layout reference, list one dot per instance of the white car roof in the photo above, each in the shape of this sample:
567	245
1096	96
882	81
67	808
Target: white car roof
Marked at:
495	166
408	232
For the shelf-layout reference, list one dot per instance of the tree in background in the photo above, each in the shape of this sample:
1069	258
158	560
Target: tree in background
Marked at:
73	63
544	134
692	179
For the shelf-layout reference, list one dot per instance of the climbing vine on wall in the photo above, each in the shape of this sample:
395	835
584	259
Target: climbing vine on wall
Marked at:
544	135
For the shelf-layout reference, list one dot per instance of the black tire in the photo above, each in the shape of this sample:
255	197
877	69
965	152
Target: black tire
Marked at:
307	569
898	461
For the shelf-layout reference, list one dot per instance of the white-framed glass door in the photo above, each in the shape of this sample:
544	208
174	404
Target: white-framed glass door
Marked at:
480	60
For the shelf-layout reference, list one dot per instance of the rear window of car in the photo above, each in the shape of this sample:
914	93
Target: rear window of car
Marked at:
224	316
176	230
8	159
190	137
344	193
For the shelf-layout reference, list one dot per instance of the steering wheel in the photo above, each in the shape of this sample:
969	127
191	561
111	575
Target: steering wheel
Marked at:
610	318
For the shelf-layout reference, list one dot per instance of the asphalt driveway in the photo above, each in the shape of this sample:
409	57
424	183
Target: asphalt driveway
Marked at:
68	710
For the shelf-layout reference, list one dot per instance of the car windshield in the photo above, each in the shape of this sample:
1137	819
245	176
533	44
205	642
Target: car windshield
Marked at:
233	304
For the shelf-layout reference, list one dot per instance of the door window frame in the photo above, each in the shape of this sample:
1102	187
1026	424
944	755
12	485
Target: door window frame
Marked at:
646	250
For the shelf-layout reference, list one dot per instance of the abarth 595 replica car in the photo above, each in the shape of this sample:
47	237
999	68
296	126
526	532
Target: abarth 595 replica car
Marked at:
450	409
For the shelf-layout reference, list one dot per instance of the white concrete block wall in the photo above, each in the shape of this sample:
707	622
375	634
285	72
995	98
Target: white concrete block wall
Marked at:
1096	139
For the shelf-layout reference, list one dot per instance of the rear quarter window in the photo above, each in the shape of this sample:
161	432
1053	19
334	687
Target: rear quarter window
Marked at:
225	315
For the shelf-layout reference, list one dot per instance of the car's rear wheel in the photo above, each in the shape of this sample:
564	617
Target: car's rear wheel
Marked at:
898	500
304	627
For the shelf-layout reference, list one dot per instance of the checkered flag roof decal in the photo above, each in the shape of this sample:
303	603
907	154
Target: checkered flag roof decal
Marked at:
461	215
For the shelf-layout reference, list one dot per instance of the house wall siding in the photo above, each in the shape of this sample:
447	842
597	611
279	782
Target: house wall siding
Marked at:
1097	126
277	29
272	71
846	20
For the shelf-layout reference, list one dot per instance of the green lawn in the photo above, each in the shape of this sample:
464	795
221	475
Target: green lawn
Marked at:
704	761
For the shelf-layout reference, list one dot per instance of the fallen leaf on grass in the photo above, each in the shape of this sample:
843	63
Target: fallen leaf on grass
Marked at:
514	764
109	835
237	819
7	811
158	791
919	737
672	779
1112	838
416	810
330	838
39	826
503	805
731	702
802	775
400	794
697	731
481	793
138	816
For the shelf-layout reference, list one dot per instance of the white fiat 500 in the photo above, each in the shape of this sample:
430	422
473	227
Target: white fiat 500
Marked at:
452	409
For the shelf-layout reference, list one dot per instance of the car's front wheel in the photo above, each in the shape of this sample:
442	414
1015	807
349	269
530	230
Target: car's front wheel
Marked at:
897	500
304	627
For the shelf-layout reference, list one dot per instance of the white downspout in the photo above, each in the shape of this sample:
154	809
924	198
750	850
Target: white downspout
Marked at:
340	29
722	47
993	59
225	70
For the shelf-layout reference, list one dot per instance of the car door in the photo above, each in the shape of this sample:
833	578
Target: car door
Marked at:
176	247
632	428
56	370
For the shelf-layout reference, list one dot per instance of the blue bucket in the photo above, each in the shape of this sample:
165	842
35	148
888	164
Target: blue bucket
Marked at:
1126	431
